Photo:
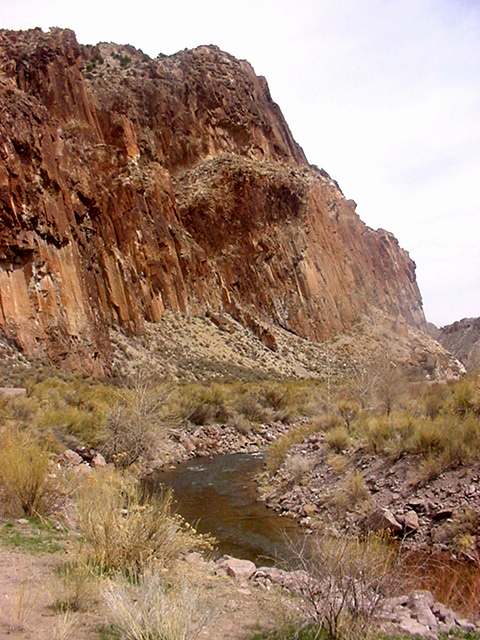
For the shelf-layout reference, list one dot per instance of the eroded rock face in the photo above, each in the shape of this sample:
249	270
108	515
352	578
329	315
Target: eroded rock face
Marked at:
129	186
462	338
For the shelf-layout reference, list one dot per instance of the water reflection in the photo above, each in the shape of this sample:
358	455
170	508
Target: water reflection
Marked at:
219	495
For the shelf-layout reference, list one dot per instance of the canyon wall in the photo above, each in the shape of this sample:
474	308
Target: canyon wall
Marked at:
462	339
130	186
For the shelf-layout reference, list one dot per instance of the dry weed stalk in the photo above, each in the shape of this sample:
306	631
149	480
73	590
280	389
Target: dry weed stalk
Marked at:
155	609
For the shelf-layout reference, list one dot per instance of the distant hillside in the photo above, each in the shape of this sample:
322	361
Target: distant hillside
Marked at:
462	339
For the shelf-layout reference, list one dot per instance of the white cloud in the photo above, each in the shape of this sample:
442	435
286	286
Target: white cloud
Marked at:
383	94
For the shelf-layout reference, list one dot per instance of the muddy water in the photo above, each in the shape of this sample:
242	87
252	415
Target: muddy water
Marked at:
219	495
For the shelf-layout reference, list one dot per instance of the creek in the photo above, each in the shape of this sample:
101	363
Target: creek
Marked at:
219	496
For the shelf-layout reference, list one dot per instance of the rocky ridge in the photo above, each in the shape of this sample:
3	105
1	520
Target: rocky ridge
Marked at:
132	186
462	339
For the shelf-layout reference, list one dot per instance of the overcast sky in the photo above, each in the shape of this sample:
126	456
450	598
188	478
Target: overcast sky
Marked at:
383	94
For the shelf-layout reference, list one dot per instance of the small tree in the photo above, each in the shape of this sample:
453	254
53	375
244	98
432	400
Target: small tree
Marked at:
390	383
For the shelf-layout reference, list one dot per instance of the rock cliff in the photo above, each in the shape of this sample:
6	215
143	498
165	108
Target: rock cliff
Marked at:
130	186
462	339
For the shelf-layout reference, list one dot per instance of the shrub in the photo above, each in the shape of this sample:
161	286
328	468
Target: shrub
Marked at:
24	474
203	405
348	410
155	610
297	466
278	450
249	406
434	399
338	439
377	433
345	582
124	528
135	426
463	398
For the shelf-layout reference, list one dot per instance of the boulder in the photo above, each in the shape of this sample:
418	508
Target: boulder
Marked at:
382	520
237	568
70	458
98	461
411	521
413	628
420	604
12	392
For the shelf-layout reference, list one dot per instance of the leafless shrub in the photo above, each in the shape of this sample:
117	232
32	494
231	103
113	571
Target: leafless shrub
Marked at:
342	583
348	410
136	426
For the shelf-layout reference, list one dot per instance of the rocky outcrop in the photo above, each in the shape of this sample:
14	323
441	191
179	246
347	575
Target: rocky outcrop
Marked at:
462	339
131	186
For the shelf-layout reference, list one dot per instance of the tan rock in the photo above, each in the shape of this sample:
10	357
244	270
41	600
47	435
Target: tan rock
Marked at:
98	461
382	520
12	392
237	568
70	458
411	521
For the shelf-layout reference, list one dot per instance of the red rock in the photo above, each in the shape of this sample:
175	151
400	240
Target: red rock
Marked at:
131	186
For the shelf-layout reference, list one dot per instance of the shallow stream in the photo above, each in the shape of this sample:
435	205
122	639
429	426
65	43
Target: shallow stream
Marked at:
219	495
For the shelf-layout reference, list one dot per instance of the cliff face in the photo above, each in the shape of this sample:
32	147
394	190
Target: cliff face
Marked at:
131	186
462	338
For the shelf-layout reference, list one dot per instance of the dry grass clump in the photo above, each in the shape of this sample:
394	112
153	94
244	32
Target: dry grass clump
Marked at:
153	609
428	469
240	423
327	422
124	528
298	466
338	439
24	474
352	493
277	451
338	462
77	588
66	627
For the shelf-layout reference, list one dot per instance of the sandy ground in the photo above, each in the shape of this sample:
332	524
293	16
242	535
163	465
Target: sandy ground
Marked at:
29	587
